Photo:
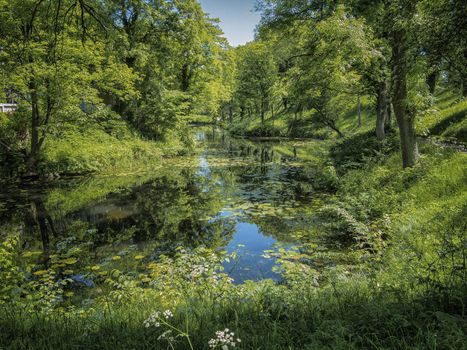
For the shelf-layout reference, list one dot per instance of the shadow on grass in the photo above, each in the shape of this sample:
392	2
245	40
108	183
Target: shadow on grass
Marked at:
354	151
444	124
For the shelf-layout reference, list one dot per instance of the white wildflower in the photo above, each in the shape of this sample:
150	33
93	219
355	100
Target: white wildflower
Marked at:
166	335
224	339
153	320
168	314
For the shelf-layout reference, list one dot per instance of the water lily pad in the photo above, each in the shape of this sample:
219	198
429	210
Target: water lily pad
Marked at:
40	272
69	261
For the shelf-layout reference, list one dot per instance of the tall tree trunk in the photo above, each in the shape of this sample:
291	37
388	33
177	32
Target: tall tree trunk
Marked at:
262	112
230	114
464	75
185	77
431	80
389	113
381	110
35	124
405	120
359	111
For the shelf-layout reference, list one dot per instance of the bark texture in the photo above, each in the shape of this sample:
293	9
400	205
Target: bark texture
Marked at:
405	118
382	110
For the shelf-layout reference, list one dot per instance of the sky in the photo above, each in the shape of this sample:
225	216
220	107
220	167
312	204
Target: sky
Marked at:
238	18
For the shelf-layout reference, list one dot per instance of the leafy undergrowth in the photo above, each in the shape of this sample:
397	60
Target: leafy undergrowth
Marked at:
410	223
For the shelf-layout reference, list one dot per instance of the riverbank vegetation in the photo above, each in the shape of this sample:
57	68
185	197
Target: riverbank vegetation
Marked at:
371	219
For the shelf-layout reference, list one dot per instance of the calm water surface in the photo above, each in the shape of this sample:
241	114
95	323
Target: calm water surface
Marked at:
235	195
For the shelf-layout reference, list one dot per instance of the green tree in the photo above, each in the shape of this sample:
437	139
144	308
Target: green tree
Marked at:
393	22
323	67
256	75
54	62
179	53
442	27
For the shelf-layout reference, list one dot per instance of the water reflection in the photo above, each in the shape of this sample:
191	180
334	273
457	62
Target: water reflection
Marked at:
236	196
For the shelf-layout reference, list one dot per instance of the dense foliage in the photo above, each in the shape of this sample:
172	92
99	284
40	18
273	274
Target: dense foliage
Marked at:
113	65
313	59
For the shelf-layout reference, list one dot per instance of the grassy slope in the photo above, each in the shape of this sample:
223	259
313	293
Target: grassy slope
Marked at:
94	150
446	120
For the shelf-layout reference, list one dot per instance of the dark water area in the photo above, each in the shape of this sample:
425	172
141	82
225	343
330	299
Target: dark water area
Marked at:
235	195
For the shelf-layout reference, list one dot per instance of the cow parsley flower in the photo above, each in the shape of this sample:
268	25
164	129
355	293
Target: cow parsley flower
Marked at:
224	339
155	318
152	320
167	314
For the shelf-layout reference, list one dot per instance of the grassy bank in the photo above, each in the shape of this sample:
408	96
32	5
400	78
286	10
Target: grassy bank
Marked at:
352	314
445	120
94	150
113	150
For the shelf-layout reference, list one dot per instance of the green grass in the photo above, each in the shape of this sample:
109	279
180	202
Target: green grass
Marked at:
95	151
447	119
348	122
278	126
352	314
